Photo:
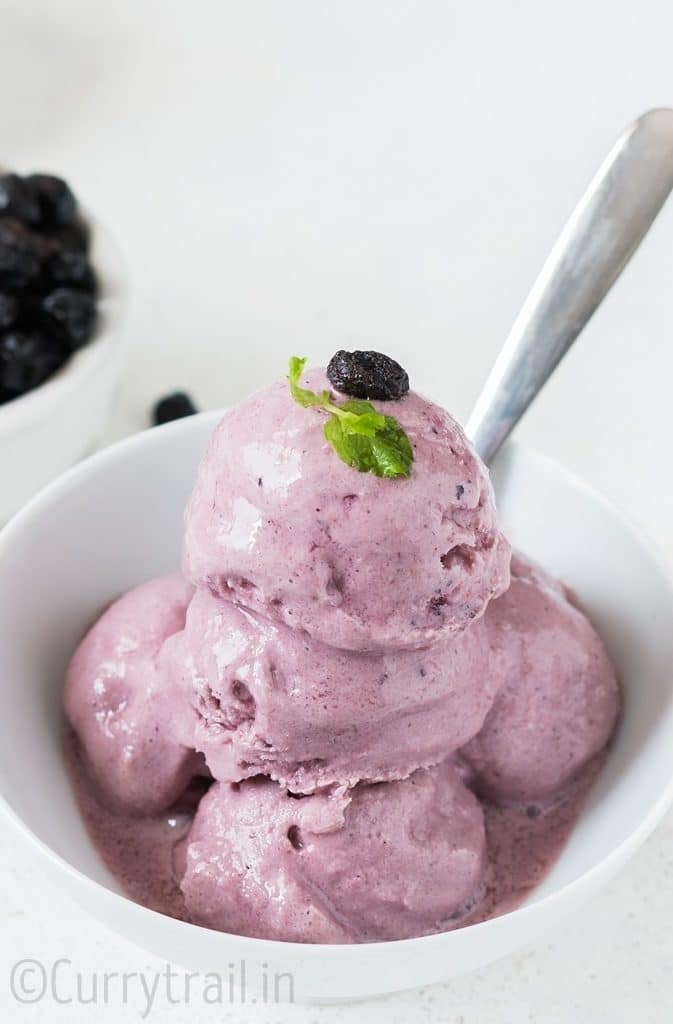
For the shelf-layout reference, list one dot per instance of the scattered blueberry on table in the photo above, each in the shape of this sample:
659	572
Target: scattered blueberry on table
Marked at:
173	407
48	286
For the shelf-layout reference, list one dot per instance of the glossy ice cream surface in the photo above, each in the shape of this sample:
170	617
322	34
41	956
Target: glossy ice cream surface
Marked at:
558	698
399	744
267	699
117	701
279	524
381	862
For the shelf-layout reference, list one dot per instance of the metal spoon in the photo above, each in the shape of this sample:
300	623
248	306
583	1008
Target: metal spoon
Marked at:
602	234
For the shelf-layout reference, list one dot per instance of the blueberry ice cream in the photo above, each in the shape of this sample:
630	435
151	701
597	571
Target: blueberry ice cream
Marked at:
343	723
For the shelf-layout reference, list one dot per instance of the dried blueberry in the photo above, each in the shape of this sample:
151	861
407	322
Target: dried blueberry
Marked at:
57	206
9	310
26	360
70	267
72	312
17	199
20	255
173	407
367	375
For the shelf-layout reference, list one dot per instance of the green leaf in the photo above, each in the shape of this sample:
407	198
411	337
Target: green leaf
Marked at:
358	417
301	395
362	437
392	450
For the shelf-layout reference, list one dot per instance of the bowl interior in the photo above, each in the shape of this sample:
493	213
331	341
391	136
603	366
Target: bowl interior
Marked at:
116	520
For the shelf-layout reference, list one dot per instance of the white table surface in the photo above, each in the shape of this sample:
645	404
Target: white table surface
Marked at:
301	176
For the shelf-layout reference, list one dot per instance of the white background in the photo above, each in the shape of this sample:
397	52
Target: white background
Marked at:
297	176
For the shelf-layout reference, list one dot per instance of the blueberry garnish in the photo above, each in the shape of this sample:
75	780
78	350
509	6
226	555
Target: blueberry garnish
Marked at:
364	438
173	407
367	375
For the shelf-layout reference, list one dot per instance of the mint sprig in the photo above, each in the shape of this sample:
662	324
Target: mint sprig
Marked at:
362	437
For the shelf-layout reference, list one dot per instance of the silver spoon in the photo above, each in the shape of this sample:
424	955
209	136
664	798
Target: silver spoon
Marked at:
602	234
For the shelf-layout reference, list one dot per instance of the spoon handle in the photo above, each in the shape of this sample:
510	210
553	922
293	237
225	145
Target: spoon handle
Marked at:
602	234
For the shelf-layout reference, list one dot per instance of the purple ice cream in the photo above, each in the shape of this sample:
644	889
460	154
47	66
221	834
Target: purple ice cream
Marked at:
278	523
383	862
377	709
268	699
558	699
117	702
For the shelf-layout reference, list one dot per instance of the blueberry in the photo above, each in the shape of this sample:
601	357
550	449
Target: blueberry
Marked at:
72	312
27	358
57	206
47	284
17	199
173	407
9	310
76	236
70	267
20	255
367	375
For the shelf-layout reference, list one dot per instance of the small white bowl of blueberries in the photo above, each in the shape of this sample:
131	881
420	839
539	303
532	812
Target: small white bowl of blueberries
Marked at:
62	298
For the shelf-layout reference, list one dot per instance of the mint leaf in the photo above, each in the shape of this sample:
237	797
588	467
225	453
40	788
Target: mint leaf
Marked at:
362	437
391	448
303	395
358	417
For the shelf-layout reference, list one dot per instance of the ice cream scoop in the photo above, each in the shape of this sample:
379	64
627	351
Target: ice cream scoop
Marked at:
386	861
278	523
265	698
117	702
558	701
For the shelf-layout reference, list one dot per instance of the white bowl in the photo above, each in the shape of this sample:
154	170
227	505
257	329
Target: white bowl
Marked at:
116	519
48	429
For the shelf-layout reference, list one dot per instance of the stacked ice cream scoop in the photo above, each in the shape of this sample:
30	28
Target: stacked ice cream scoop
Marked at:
342	663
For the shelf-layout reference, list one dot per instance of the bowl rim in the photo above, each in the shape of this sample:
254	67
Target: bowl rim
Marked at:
90	358
312	952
